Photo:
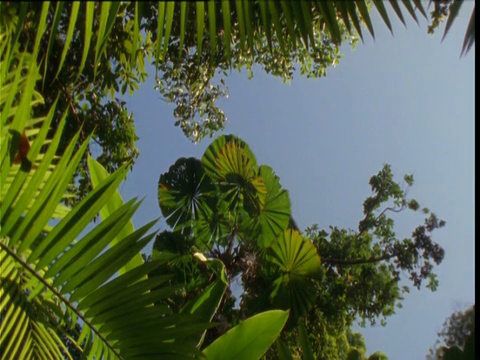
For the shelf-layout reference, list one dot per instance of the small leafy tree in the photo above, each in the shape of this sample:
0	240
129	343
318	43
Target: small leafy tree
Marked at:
235	210
456	336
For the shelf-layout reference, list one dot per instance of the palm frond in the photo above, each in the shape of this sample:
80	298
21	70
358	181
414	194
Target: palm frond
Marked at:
56	276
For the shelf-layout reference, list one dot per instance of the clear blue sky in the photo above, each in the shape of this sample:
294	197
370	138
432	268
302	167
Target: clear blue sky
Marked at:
406	100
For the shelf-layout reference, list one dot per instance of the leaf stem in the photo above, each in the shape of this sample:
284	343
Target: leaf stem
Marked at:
60	296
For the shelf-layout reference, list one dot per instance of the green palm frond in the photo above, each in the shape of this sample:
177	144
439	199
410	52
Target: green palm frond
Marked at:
222	24
215	25
58	275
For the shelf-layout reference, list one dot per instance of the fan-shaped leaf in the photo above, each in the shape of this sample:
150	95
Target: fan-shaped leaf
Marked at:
294	254
184	194
231	164
274	216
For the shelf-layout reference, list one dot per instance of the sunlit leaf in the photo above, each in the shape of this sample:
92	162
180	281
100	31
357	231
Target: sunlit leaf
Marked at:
250	339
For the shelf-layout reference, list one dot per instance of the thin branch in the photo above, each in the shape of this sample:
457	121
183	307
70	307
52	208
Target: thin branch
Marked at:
60	296
396	210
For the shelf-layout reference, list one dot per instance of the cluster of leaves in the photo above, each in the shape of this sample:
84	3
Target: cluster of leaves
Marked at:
194	81
90	54
235	210
61	280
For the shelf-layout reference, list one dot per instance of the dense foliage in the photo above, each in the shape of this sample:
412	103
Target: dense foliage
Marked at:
234	210
64	67
456	339
91	54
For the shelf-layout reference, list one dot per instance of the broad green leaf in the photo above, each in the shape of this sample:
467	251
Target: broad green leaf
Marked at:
217	228
98	174
250	339
295	293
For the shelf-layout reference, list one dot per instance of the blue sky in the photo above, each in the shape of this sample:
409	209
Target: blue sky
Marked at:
406	100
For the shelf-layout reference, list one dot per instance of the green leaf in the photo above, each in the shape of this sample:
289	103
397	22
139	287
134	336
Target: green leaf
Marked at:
184	194
380	5
330	17
58	13
68	38
295	255
297	259
212	26
160	29
362	8
307	350
98	174
231	165
200	11
168	27
250	339
89	15
398	11
274	216
183	18
227	28
283	351
206	304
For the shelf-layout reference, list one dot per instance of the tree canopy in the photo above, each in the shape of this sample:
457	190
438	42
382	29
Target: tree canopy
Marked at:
91	54
63	69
